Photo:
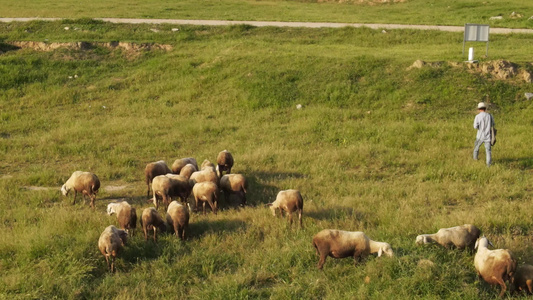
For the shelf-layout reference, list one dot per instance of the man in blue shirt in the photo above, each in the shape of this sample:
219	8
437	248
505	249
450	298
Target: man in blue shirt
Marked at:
483	123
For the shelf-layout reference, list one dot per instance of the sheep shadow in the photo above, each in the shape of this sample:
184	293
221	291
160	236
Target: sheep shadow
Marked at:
336	213
199	228
8	47
260	193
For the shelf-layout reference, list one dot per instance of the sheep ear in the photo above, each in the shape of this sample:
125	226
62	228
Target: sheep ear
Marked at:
490	243
268	204
380	251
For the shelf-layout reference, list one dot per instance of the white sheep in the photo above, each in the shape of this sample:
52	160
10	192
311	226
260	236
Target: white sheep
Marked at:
207	165
152	220
234	184
153	170
182	162
178	219
86	183
341	244
110	243
464	236
494	266
206	192
187	170
224	162
289	201
126	215
205	175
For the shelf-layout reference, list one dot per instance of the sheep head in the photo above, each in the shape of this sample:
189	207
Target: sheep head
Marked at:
387	249
272	208
111	208
64	190
483	242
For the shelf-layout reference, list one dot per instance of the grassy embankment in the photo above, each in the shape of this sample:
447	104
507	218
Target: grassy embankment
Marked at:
353	11
375	148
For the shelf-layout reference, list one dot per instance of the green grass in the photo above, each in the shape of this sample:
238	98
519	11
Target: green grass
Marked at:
375	148
457	12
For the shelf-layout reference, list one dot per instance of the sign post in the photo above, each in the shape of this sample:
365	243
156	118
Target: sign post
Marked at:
476	33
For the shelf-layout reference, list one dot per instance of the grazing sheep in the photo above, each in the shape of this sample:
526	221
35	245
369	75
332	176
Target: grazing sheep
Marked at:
86	183
182	162
162	188
289	201
224	162
234	184
111	243
187	170
204	175
523	279
207	192
152	220
494	266
178	219
154	169
181	186
207	165
464	236
341	244
126	215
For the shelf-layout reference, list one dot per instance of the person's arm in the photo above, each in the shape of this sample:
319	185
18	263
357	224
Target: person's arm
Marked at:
476	122
492	121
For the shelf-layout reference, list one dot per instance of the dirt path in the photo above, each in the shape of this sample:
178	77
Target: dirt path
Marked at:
280	24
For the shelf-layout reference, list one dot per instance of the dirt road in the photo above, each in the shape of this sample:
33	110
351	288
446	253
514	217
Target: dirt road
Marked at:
281	24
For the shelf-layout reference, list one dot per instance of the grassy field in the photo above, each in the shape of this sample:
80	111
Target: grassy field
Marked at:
456	12
375	148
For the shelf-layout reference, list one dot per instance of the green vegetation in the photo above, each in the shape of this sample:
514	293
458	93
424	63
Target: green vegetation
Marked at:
451	12
375	148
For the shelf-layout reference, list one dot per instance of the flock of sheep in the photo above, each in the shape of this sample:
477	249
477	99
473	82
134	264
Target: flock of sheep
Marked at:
206	183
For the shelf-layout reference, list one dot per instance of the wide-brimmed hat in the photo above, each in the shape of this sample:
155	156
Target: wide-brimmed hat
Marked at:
481	105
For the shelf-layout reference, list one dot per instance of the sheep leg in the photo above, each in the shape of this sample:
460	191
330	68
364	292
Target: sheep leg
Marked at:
502	284
112	264
356	256
107	262
75	194
281	213
529	284
243	196
155	234
203	204
322	260
176	229
93	198
145	233
300	218
290	217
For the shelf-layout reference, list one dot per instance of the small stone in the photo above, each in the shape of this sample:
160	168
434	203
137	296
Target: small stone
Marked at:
103	106
529	96
70	77
67	28
384	31
298	106
175	29
75	75
496	18
154	29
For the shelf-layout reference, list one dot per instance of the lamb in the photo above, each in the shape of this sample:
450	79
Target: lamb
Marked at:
178	219
341	244
234	184
111	243
187	170
182	162
494	266
204	175
86	183
207	192
464	236
126	215
154	169
289	201
152	220
523	279
224	162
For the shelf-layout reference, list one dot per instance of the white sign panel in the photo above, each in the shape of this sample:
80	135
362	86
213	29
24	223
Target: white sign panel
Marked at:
476	33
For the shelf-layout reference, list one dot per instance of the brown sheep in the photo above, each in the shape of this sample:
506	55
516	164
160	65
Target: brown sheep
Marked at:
111	243
494	266
224	162
234	184
341	244
153	170
464	236
162	187
206	192
126	215
181	186
289	201
152	220
86	183
178	219
187	170
207	165
182	162
523	279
